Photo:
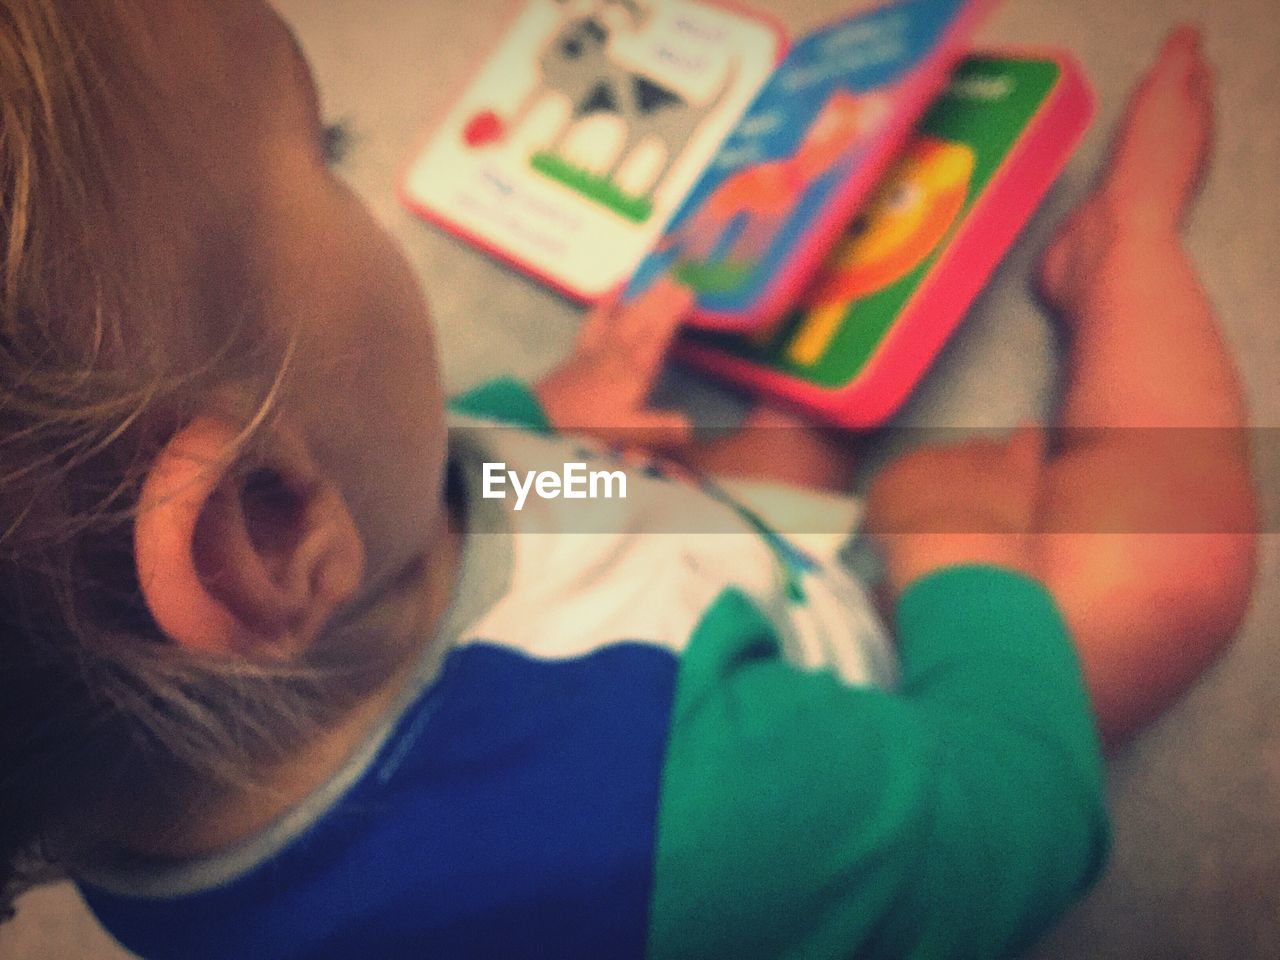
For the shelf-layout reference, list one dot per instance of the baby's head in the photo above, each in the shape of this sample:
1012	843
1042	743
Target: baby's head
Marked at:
221	433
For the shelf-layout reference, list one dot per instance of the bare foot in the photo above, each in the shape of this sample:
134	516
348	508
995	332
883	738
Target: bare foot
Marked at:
1157	160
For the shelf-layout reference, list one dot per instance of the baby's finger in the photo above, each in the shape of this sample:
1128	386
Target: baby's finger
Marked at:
600	320
655	318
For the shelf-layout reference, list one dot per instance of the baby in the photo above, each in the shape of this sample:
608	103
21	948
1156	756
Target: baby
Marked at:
278	680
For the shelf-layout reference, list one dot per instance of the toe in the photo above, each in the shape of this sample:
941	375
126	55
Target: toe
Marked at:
1202	81
1178	57
1184	41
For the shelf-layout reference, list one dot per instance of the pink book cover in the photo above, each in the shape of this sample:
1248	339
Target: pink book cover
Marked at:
805	158
895	287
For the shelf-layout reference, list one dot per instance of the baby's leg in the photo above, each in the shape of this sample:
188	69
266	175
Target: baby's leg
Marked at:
1152	440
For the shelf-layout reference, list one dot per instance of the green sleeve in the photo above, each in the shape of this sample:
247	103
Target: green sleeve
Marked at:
504	400
956	817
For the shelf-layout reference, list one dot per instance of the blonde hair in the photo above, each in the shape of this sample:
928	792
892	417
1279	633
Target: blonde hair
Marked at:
102	720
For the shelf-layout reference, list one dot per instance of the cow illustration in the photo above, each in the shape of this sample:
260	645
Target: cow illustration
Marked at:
579	64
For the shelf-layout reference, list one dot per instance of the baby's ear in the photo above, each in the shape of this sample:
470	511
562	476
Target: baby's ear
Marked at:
237	557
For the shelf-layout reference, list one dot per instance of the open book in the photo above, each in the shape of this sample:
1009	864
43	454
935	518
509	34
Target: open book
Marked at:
901	278
836	208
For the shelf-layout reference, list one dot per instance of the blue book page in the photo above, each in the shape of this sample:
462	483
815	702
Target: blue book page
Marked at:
817	120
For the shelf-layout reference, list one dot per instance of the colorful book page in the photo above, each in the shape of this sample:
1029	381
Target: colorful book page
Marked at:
806	156
894	289
585	130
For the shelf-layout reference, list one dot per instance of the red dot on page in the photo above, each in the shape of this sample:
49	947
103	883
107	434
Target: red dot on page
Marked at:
483	129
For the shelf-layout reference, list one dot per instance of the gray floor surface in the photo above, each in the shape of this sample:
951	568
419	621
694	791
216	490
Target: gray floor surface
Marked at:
1196	866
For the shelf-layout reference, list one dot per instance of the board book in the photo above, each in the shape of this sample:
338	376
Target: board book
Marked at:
895	287
582	133
806	157
596	122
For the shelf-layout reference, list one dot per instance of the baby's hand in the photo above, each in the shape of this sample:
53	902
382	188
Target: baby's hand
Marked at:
974	503
602	389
